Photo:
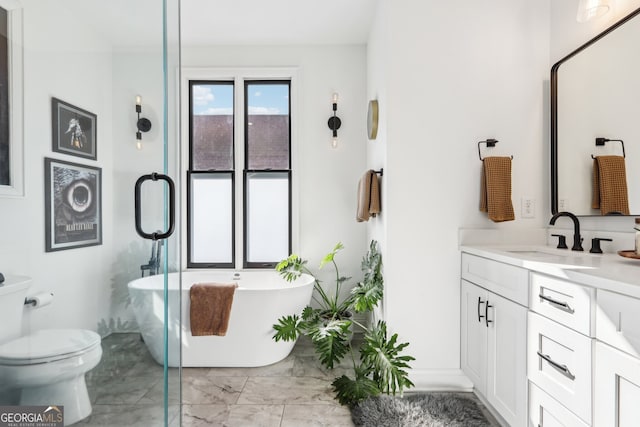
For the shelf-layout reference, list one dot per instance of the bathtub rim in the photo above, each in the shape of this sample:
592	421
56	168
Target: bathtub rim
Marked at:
304	280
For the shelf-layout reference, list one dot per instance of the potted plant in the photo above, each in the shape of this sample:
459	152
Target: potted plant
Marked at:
381	366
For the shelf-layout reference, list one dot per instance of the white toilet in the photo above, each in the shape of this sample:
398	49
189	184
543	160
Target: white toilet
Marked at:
46	367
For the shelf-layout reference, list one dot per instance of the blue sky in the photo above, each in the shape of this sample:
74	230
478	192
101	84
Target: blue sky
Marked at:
214	99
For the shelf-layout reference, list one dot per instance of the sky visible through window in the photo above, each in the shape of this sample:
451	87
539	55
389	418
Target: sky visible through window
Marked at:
217	99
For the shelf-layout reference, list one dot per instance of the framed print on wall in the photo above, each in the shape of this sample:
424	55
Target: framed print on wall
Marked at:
73	205
74	130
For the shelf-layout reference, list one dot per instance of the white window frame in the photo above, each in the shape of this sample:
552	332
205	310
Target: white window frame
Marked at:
238	76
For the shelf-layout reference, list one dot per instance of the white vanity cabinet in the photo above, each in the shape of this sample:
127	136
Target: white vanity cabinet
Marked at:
560	343
617	361
493	338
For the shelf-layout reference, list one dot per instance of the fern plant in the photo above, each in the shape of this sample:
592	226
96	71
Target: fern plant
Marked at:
381	367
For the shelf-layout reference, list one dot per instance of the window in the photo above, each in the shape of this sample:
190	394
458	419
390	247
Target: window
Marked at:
239	164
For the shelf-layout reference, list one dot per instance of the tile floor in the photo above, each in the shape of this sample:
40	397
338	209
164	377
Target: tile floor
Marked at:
126	389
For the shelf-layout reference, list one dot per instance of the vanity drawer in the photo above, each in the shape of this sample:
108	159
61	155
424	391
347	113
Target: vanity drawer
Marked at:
503	279
545	411
562	301
618	321
559	362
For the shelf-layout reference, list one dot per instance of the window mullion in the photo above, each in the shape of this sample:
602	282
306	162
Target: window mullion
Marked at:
238	163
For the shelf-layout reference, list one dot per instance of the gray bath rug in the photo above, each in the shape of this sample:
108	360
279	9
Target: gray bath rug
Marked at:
419	410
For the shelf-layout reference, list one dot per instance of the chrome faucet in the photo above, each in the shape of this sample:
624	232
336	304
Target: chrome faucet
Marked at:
153	266
577	239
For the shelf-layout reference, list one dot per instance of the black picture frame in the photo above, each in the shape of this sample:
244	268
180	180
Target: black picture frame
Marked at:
73	205
74	130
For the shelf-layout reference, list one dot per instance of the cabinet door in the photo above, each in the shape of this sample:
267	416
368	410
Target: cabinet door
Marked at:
507	356
617	388
473	337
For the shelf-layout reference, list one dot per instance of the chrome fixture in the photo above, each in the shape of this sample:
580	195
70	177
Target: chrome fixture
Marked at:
334	122
577	239
143	124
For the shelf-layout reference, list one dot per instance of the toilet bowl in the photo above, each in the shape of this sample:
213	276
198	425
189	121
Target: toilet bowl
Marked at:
47	367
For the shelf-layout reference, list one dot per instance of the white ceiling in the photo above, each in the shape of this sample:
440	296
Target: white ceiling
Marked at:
275	22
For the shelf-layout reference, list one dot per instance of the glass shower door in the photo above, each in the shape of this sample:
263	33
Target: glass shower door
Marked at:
156	217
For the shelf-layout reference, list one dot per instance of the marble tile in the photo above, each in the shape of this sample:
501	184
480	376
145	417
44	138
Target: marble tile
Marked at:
286	390
198	390
121	390
316	416
232	415
155	395
279	369
309	366
128	415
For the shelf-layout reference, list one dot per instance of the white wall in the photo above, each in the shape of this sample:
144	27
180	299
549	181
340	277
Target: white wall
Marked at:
451	74
77	70
327	178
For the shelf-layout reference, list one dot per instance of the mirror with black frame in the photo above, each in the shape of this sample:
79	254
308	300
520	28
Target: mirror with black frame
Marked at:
595	114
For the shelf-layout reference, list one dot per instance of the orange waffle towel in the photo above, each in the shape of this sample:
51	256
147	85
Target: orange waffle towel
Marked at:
368	196
610	185
495	191
210	308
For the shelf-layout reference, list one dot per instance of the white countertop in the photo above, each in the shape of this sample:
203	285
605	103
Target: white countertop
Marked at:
602	271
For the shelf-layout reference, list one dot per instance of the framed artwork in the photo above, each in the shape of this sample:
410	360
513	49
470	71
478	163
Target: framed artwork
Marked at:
73	205
11	101
74	130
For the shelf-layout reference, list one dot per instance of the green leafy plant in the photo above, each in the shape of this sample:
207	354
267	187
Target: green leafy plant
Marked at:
381	368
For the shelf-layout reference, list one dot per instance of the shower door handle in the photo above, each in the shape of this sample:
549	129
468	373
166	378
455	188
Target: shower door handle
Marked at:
172	204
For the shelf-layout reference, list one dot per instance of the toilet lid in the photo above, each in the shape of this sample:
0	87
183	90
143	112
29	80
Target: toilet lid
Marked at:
47	345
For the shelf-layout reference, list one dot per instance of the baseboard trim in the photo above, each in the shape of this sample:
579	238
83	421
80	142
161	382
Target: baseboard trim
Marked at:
439	380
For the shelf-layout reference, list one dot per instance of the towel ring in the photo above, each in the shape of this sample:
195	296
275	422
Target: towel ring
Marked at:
601	141
490	143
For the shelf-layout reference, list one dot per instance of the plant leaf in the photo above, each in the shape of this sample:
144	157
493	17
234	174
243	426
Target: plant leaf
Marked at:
329	257
349	392
287	328
367	294
330	341
381	357
291	268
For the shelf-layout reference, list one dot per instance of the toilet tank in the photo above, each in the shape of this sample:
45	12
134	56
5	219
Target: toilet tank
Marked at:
13	291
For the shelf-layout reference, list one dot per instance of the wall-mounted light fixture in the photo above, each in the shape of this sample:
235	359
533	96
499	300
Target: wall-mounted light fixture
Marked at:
143	124
591	9
334	122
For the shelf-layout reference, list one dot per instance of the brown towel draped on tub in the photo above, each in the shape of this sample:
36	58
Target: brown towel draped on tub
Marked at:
495	189
610	185
210	308
368	196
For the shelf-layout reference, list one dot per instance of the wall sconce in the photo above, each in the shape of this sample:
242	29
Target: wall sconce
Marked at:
143	124
591	9
334	122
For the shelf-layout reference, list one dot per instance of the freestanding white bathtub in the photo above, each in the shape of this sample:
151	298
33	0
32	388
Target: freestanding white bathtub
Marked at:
262	297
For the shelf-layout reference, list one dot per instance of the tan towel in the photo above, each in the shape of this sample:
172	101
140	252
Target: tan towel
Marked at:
210	308
495	190
610	185
368	196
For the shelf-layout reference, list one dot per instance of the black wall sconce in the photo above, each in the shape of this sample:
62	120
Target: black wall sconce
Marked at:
143	124
334	122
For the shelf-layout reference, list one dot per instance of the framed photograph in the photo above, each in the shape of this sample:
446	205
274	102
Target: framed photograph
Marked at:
73	205
74	130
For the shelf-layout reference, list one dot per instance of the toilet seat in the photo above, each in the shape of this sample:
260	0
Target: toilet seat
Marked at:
48	345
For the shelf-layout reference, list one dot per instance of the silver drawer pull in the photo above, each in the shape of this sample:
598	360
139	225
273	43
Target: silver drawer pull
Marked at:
558	304
562	368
